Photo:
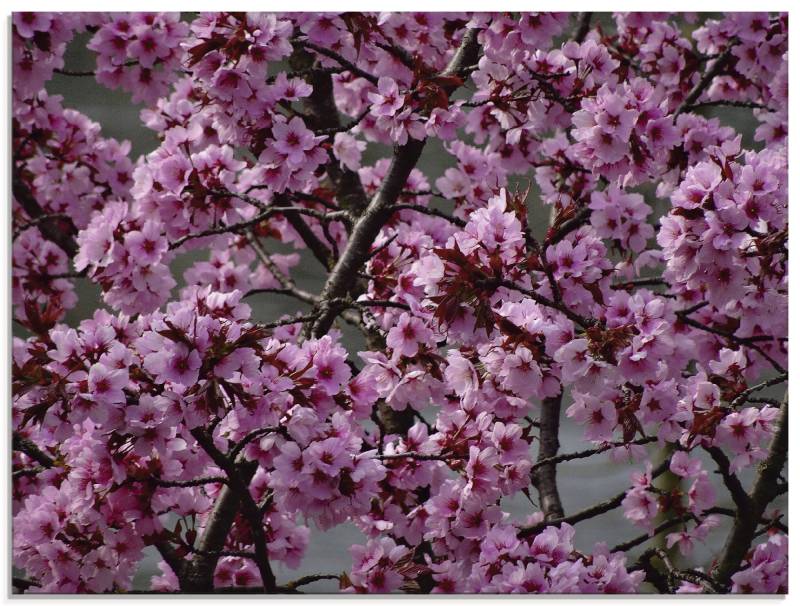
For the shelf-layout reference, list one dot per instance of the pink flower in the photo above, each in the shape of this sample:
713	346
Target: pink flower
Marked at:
597	413
147	246
508	442
173	172
481	469
474	519
177	364
374	564
27	24
231	85
148	47
388	100
331	366
641	507
293	140
461	376
574	358
329	456
405	338
681	465
285	89
105	385
701	493
347	150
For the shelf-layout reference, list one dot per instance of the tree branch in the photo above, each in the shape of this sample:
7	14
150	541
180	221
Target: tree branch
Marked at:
285	281
584	22
764	490
239	483
351	67
763	385
49	229
433	212
743	341
674	574
27	447
590	452
344	275
324	116
732	483
589	512
713	71
543	474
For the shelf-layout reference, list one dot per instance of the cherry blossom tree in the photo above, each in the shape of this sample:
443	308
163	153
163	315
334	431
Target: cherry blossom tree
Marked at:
650	312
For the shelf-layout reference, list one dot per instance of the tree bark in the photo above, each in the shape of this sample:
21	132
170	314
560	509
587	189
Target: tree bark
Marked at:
765	489
544	476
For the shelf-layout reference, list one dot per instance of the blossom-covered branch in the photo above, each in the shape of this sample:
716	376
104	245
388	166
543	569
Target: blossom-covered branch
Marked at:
533	227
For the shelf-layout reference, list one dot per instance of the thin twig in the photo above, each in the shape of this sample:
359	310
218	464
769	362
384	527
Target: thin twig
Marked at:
418	456
433	212
589	512
351	67
590	452
763	385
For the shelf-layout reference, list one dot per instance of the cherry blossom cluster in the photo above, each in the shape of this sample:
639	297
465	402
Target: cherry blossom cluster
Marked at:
140	382
767	570
139	53
68	171
39	41
652	304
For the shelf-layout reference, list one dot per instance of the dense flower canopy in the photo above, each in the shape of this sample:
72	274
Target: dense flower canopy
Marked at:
654	303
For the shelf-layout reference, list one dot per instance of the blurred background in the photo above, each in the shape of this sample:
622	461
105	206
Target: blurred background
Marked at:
582	483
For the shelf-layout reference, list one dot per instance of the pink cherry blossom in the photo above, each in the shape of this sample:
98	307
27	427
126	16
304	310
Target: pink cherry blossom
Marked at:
408	275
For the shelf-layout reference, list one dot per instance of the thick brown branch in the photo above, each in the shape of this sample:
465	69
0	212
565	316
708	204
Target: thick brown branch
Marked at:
173	560
24	445
325	119
732	483
764	490
344	275
238	481
321	252
198	575
366	230
544	475
584	22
